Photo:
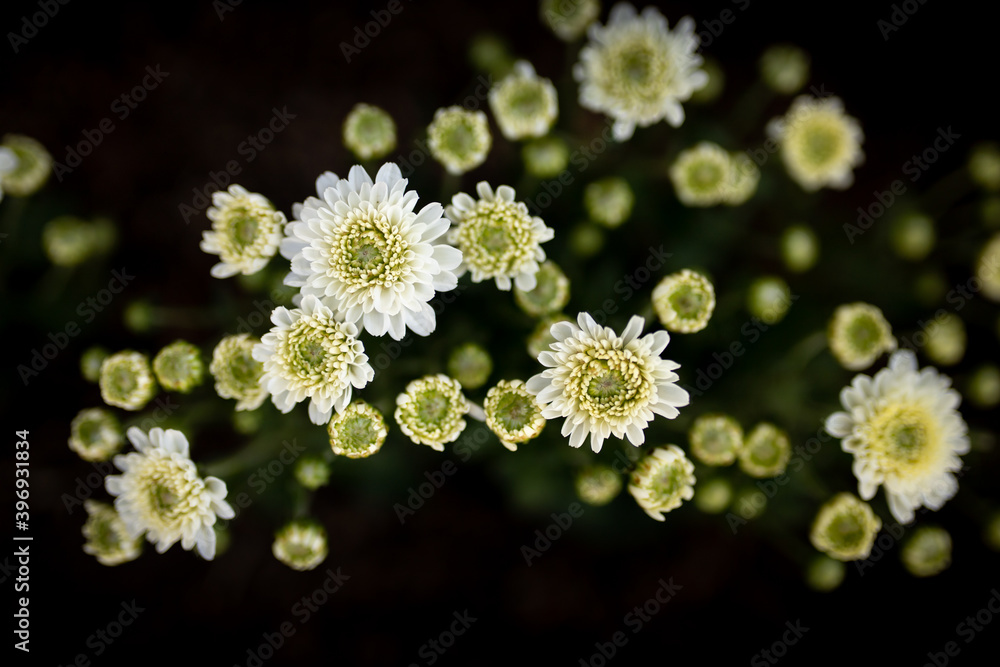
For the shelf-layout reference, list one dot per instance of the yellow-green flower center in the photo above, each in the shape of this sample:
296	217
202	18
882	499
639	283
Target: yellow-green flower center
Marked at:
368	250
609	383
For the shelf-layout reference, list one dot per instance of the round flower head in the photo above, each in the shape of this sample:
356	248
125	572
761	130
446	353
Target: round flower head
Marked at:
766	451
550	294
488	52
988	268
70	241
523	103
459	139
246	231
471	365
637	71
498	238
713	496
432	411
825	574
702	175
820	144
301	545
108	538
609	201
598	485
905	433
25	165
912	236
312	472
927	552
845	528
744	176
357	432
605	384
95	434
716	439
946	340
799	248
662	481
546	157
309	354
362	250
769	298
237	374
858	334
127	381
179	367
369	132
541	337
984	166
984	386
159	493
90	363
784	68
684	301
569	20
513	414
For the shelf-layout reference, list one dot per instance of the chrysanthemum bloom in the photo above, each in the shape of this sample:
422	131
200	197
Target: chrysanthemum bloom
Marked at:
569	19
799	248
766	451
637	71
95	434
927	552
858	334
498	238
523	103
108	538
237	374
312	472
159	493
784	68
984	386
90	362
459	139
550	294
820	144
845	528
179	367
702	175
684	301
362	250
309	354
662	481
301	545
905	433
69	241
605	384
246	232
357	432
744	176
25	167
471	365
984	166
716	439
609	201
431	411
127	380
598	485
541	337
946	340
713	496
912	236
369	132
824	573
769	299
513	413
545	157
988	268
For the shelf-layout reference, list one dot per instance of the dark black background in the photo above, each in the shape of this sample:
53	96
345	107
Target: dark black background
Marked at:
462	550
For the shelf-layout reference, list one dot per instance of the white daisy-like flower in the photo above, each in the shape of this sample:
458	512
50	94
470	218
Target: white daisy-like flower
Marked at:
246	231
362	250
523	103
497	236
310	354
905	433
25	165
605	384
301	545
237	374
459	139
662	481
431	411
820	144
108	539
638	71
160	494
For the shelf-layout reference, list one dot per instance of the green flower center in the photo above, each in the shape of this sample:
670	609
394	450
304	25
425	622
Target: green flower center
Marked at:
515	411
368	250
433	407
864	333
358	432
821	144
687	301
846	531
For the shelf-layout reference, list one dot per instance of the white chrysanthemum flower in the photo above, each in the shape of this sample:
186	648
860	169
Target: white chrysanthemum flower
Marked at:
784	68
237	374
684	301
95	434
25	165
820	144
513	413
159	493
550	294
498	238
845	528
470	364
369	132
357	432
108	538
905	433
523	103
362	250
637	71
246	232
597	485
127	380
569	19
927	552
662	481
309	354
301	545
179	367
432	411
701	174
716	439
858	334
799	248
609	201
766	451
605	384
459	139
